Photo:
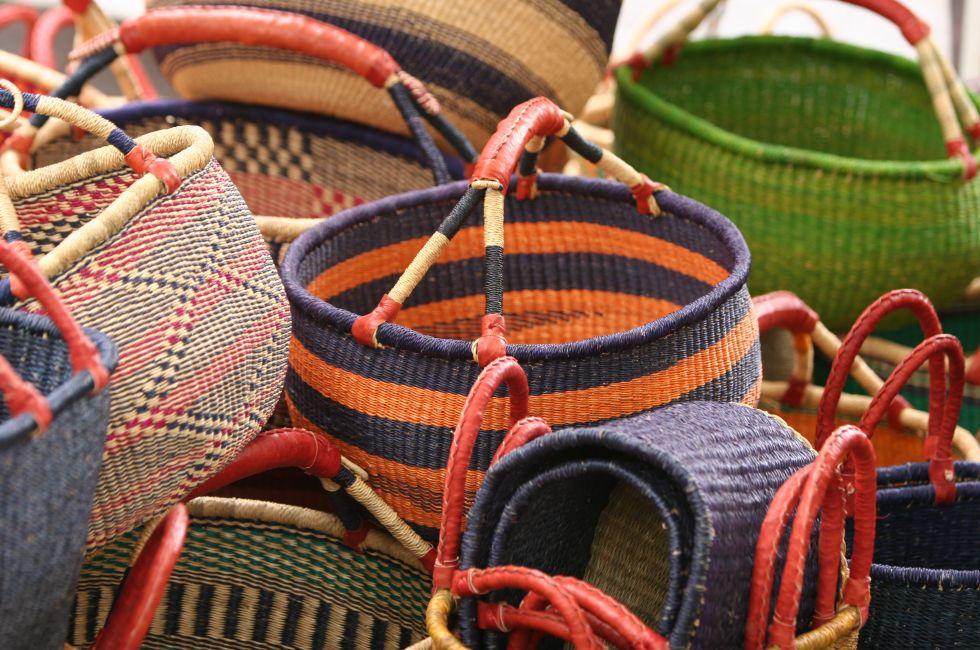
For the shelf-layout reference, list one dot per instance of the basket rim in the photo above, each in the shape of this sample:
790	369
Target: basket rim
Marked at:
404	339
321	125
944	170
73	389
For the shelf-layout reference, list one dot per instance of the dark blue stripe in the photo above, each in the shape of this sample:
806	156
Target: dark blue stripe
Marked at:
235	597
348	642
294	609
263	612
202	612
118	139
320	626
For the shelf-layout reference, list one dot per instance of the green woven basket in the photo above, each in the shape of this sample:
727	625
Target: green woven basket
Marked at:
258	575
828	157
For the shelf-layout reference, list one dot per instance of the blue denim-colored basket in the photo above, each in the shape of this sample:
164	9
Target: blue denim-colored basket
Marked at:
47	477
661	511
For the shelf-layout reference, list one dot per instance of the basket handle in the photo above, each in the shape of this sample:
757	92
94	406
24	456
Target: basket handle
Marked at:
287	31
950	99
613	622
474	582
939	443
811	488
138	157
505	370
10	14
523	130
146	579
925	313
84	356
49	24
39	77
317	456
800	7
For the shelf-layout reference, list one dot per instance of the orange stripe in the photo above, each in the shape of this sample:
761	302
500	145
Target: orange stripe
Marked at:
574	314
521	238
438	409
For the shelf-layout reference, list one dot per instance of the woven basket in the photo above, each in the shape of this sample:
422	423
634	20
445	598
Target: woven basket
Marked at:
789	390
838	612
611	311
293	168
479	59
643	509
824	155
53	416
175	271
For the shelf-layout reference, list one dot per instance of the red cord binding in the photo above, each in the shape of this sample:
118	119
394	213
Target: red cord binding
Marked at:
20	14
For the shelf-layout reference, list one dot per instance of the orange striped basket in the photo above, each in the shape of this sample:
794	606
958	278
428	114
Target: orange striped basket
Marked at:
621	297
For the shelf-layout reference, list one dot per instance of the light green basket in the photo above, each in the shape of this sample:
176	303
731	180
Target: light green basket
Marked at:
828	157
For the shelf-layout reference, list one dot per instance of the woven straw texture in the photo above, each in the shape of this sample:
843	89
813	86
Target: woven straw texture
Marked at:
262	575
828	157
187	290
479	59
610	312
55	472
285	164
683	490
925	582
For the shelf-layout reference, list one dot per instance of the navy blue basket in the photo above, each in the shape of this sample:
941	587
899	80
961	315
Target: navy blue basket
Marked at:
661	511
53	418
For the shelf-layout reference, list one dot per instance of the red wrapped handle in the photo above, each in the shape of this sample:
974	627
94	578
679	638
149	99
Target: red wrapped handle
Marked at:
939	443
278	29
538	117
785	310
922	308
133	610
503	370
20	14
474	582
45	34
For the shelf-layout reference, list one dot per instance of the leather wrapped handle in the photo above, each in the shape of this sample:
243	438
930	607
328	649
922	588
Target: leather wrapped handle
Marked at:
949	399
82	352
613	622
505	370
474	582
784	310
925	313
10	14
134	607
812	488
51	23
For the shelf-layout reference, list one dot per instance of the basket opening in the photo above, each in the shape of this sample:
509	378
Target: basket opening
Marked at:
281	168
807	94
575	267
39	358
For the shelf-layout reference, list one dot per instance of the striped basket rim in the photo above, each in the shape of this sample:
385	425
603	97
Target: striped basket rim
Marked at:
949	170
406	339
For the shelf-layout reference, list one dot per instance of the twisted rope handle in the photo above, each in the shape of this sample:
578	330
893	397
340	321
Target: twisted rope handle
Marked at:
523	131
812	488
939	443
42	78
950	101
317	456
799	7
10	14
287	31
144	584
20	396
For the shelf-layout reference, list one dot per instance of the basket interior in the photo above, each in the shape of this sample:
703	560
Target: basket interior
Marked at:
804	93
38	357
282	167
575	267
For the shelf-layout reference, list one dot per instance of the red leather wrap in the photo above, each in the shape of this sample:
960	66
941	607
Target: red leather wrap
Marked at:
279	29
784	310
45	33
365	326
535	117
521	433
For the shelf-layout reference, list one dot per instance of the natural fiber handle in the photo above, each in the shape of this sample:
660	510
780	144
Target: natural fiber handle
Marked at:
519	137
10	14
612	621
474	582
910	299
42	78
133	609
812	488
945	402
20	396
950	100
507	371
315	455
799	7
139	159
294	32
